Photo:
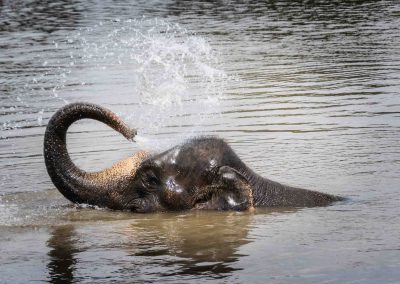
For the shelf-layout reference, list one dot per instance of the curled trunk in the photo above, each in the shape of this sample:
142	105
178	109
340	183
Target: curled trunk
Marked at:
105	188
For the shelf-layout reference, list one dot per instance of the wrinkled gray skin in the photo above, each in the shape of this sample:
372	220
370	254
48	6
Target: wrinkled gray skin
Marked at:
202	173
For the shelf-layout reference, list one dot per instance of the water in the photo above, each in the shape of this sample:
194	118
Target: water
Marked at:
307	93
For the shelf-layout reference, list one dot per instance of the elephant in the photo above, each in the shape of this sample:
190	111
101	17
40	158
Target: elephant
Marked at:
201	173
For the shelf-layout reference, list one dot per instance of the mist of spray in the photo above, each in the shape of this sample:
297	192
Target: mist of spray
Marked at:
161	78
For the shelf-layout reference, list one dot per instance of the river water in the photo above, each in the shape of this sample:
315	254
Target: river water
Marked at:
306	92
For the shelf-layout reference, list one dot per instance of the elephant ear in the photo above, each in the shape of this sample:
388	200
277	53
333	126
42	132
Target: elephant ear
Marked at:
237	194
229	191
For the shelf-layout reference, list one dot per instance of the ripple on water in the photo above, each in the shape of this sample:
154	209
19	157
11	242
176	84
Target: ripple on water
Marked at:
305	92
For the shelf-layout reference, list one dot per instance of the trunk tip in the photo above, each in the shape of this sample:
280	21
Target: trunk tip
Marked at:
131	134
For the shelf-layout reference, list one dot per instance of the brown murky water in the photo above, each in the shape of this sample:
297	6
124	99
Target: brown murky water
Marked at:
306	92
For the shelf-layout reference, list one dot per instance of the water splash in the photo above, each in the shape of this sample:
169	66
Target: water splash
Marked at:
143	142
165	80
160	77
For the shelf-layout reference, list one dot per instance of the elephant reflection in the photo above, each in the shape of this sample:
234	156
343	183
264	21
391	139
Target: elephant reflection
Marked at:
205	243
196	242
62	252
199	235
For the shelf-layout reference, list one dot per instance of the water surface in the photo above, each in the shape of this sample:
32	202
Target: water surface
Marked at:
307	93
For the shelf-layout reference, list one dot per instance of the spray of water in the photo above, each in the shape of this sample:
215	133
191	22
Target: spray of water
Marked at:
171	80
160	77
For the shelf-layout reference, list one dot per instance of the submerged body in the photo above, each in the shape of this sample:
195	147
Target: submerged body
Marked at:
202	173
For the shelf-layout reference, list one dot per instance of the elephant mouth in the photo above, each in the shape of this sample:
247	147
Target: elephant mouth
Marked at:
216	198
203	204
207	198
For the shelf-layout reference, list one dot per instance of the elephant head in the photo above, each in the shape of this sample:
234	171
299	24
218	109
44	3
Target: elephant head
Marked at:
141	183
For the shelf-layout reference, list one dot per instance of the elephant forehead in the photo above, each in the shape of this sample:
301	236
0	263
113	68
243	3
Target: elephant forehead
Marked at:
174	155
169	157
124	168
136	160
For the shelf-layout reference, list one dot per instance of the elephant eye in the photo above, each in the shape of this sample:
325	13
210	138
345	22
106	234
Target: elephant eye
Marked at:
150	179
141	192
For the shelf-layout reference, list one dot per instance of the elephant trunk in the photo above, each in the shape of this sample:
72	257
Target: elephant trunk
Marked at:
101	188
274	194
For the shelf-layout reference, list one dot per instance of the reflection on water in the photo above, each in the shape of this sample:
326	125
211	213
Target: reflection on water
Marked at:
307	92
63	249
185	245
207	243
